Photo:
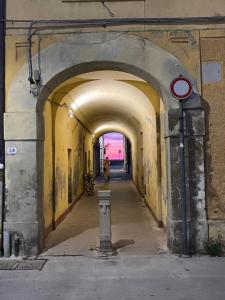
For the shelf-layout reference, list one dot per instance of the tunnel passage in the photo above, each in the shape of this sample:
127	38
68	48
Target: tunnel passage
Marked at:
77	114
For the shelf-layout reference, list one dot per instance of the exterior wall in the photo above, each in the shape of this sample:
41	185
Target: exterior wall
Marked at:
40	9
158	66
184	45
213	50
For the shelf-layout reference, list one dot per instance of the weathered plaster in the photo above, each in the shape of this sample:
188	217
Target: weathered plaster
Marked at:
155	65
213	49
149	8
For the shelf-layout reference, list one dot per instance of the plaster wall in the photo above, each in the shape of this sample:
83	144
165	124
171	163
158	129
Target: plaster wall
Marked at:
163	166
148	154
213	50
41	9
184	45
134	147
69	136
48	167
139	166
150	164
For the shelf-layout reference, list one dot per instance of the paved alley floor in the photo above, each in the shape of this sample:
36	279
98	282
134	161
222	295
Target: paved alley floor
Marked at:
134	230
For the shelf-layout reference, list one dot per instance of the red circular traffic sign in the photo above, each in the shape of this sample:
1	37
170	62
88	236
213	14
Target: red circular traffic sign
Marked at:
181	87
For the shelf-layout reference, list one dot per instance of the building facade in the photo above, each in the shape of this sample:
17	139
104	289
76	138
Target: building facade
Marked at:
69	57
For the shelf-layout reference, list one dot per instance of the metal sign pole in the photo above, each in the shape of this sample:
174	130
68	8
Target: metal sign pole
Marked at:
182	178
181	88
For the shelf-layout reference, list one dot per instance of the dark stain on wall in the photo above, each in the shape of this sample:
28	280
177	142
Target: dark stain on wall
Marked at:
60	183
78	166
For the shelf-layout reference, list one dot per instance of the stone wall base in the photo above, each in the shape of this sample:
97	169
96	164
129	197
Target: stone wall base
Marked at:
29	239
216	227
197	236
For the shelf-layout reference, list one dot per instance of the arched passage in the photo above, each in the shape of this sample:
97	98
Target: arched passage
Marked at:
83	53
107	101
103	105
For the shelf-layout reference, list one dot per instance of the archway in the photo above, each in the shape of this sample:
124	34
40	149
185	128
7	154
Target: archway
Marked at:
117	148
76	55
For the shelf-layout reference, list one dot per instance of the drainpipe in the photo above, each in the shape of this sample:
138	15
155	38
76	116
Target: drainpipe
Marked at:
2	106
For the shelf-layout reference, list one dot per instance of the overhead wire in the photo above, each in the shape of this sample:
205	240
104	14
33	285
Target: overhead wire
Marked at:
85	23
109	22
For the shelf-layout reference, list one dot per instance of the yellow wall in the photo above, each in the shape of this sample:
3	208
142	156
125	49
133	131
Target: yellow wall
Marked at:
163	166
48	171
69	134
146	154
150	164
213	50
42	9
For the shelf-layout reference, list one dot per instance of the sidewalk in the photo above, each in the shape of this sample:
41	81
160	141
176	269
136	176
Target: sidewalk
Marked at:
160	277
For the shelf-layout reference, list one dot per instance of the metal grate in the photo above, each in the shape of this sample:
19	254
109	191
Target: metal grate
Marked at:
31	264
8	264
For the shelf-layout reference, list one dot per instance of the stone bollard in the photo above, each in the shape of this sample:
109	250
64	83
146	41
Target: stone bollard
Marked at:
105	220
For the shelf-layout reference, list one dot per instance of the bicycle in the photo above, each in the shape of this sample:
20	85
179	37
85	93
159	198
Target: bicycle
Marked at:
89	184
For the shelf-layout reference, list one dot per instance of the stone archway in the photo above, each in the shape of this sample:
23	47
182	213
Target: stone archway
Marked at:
24	125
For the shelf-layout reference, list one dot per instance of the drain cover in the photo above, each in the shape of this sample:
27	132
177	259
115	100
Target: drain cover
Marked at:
7	264
34	264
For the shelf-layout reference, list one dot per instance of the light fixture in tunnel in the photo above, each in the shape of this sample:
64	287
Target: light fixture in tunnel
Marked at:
74	106
70	113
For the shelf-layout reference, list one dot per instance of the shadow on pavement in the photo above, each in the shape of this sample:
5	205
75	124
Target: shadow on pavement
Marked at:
122	243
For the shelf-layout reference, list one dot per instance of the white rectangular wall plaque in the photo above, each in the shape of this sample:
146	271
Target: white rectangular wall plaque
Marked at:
11	151
211	71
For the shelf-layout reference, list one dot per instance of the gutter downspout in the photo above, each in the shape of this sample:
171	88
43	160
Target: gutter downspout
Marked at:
2	108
